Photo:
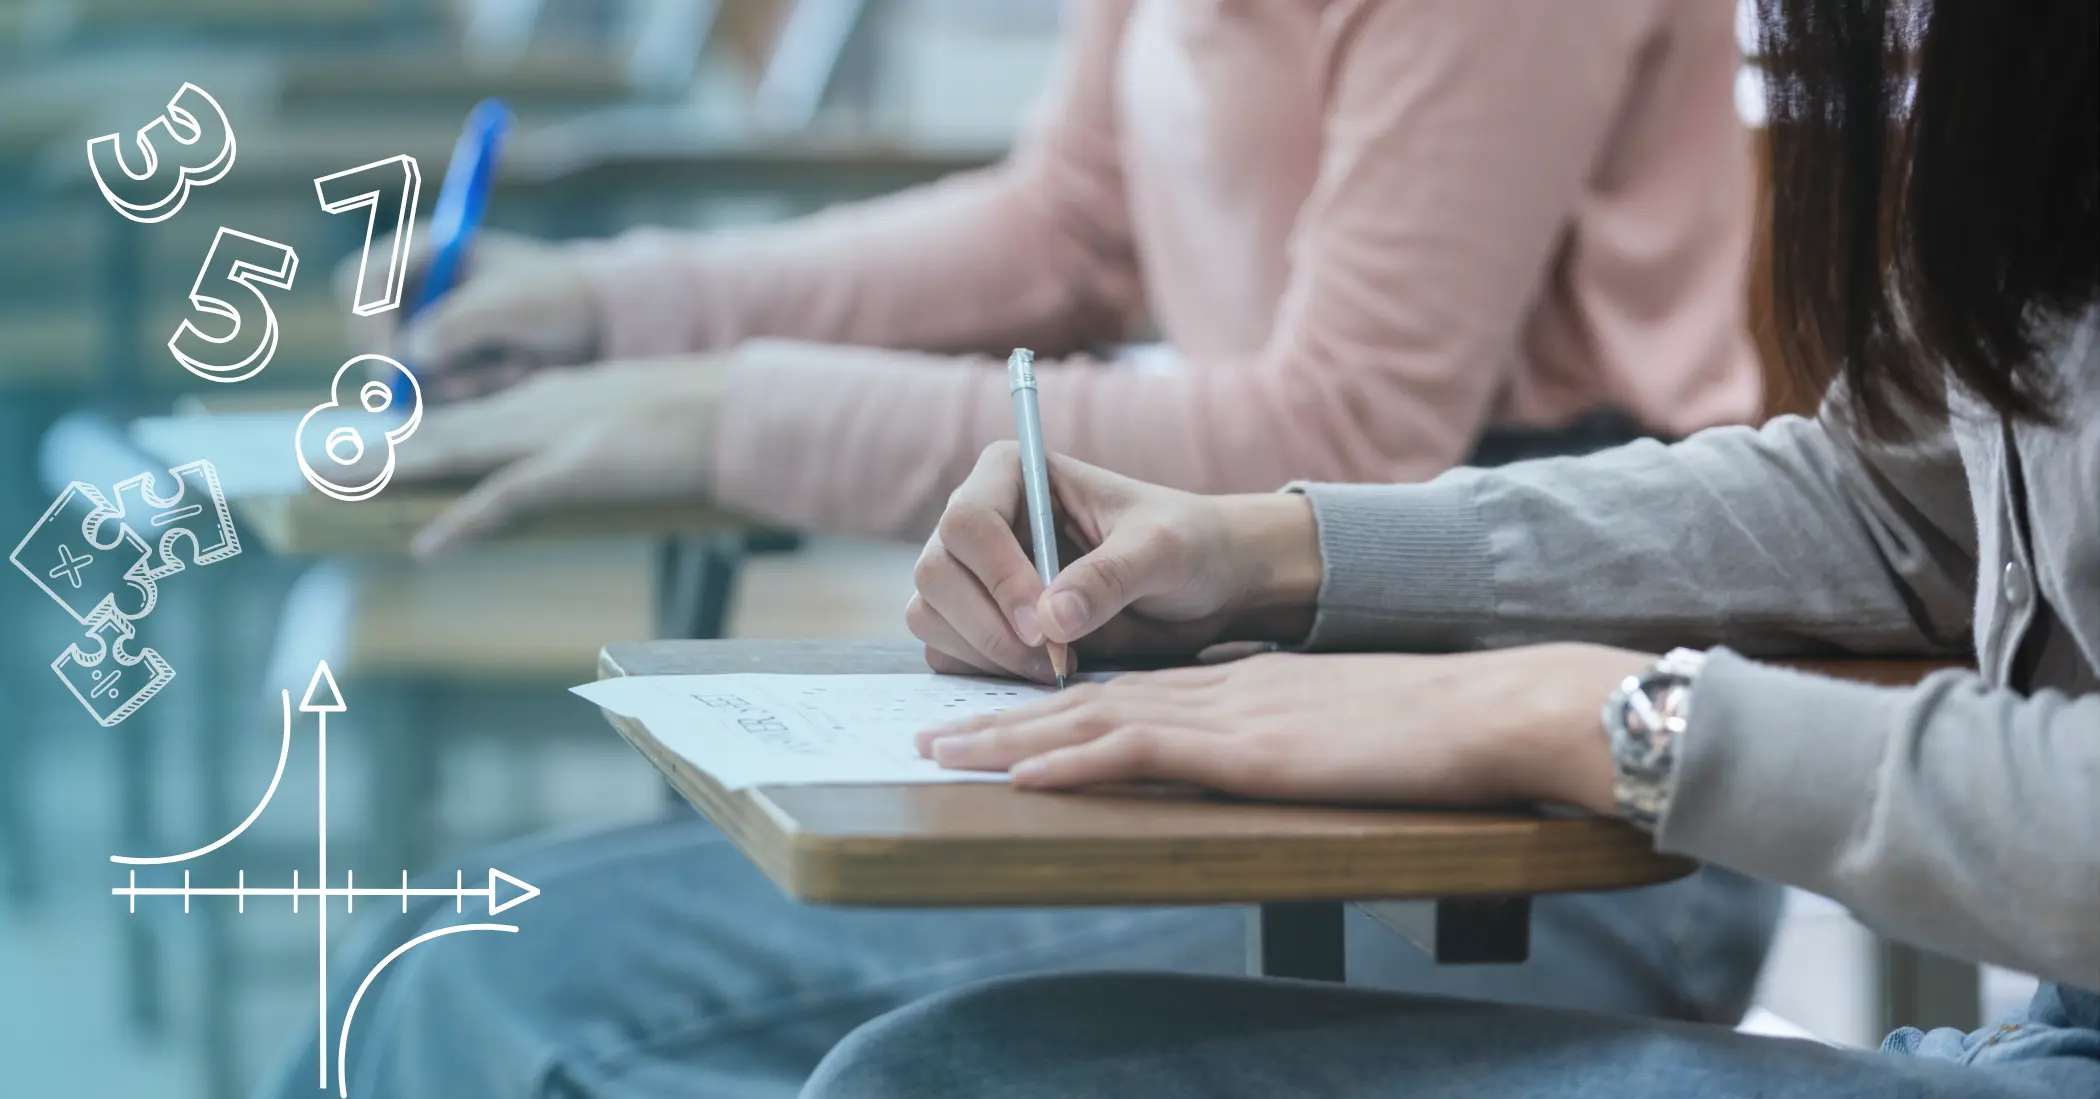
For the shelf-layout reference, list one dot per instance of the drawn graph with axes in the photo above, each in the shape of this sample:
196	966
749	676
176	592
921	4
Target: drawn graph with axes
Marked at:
502	893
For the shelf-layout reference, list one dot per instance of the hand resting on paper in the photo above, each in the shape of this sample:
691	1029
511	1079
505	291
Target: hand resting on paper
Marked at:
1517	725
623	432
1148	570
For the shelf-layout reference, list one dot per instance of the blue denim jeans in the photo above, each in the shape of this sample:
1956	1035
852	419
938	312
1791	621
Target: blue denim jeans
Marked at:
657	963
1163	1036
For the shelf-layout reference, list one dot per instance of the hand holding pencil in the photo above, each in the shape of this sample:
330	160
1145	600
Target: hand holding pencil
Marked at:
1158	572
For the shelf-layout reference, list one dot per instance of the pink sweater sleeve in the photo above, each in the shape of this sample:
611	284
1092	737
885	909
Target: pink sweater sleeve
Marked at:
1035	249
1457	138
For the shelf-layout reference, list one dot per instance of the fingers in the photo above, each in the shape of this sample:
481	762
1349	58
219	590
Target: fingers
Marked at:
1089	710
981	540
952	612
999	749
998	741
504	497
478	321
1132	562
1062	704
468	438
1159	752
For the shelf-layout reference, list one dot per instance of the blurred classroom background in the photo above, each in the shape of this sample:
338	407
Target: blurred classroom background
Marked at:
460	733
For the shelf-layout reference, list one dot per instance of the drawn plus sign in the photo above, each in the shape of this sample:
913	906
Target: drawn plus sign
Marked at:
70	566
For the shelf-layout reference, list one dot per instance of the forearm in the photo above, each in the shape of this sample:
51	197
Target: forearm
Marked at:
970	263
863	441
1924	809
1779	541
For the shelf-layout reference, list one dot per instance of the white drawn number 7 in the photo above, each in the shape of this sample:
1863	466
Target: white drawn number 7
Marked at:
390	188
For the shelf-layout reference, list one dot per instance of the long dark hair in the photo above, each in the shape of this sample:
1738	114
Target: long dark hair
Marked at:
1935	196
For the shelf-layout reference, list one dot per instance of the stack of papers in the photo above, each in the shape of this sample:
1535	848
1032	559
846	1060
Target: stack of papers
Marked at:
766	730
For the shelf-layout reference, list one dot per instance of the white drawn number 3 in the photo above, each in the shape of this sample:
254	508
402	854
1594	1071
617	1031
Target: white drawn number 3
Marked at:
193	125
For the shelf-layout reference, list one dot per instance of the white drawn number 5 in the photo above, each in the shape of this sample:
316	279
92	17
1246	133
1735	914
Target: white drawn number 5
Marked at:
250	263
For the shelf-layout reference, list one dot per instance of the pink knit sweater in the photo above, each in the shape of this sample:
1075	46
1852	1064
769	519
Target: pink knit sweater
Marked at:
1367	228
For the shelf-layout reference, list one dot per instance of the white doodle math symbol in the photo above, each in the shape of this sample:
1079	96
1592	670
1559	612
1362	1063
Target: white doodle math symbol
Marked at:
192	124
502	893
89	555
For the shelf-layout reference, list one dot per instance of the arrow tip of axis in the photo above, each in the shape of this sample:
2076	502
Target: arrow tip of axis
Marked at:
323	685
525	891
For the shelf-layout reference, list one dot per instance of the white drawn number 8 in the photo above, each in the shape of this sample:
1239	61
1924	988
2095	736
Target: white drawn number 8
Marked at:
339	464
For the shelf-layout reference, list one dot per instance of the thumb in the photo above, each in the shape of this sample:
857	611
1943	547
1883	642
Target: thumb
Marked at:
1128	565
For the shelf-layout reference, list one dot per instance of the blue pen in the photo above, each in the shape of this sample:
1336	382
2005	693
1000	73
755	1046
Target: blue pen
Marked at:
457	214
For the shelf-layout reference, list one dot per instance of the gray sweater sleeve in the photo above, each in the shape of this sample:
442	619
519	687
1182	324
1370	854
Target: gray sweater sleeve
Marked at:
1925	809
1780	541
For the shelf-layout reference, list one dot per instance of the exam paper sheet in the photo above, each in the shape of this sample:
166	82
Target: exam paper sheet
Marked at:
756	730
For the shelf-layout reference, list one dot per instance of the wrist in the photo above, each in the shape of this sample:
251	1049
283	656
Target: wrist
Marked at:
1566	758
1277	566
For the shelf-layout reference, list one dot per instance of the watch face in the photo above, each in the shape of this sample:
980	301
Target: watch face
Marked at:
1645	717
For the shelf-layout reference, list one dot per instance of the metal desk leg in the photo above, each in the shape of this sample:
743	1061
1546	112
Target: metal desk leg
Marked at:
695	579
1464	930
1926	990
1301	939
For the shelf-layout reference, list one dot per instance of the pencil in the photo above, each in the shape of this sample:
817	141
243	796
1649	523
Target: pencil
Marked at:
1035	483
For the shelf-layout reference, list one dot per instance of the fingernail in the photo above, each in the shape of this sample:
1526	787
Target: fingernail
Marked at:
1026	627
1068	612
1028	770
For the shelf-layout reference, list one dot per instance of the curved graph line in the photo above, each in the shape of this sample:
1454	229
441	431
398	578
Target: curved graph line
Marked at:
283	753
342	1045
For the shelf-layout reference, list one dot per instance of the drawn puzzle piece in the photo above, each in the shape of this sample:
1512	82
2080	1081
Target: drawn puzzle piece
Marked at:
197	512
112	680
86	577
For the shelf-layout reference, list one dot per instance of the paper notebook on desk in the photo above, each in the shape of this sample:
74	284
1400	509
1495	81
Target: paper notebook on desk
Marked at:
765	730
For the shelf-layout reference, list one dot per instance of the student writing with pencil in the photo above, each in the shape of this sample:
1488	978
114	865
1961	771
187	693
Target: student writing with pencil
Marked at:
1377	236
1938	259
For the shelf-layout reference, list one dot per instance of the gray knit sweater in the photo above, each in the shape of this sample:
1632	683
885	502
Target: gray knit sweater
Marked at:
1962	814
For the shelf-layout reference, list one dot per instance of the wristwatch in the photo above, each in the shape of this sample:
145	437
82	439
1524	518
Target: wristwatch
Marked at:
1645	718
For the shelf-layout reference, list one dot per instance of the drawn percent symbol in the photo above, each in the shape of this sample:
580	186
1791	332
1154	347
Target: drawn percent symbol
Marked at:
321	699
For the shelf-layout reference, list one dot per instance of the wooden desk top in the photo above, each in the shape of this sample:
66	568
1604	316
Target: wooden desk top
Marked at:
981	844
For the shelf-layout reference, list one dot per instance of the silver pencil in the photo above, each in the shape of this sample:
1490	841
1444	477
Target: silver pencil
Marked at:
1035	482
